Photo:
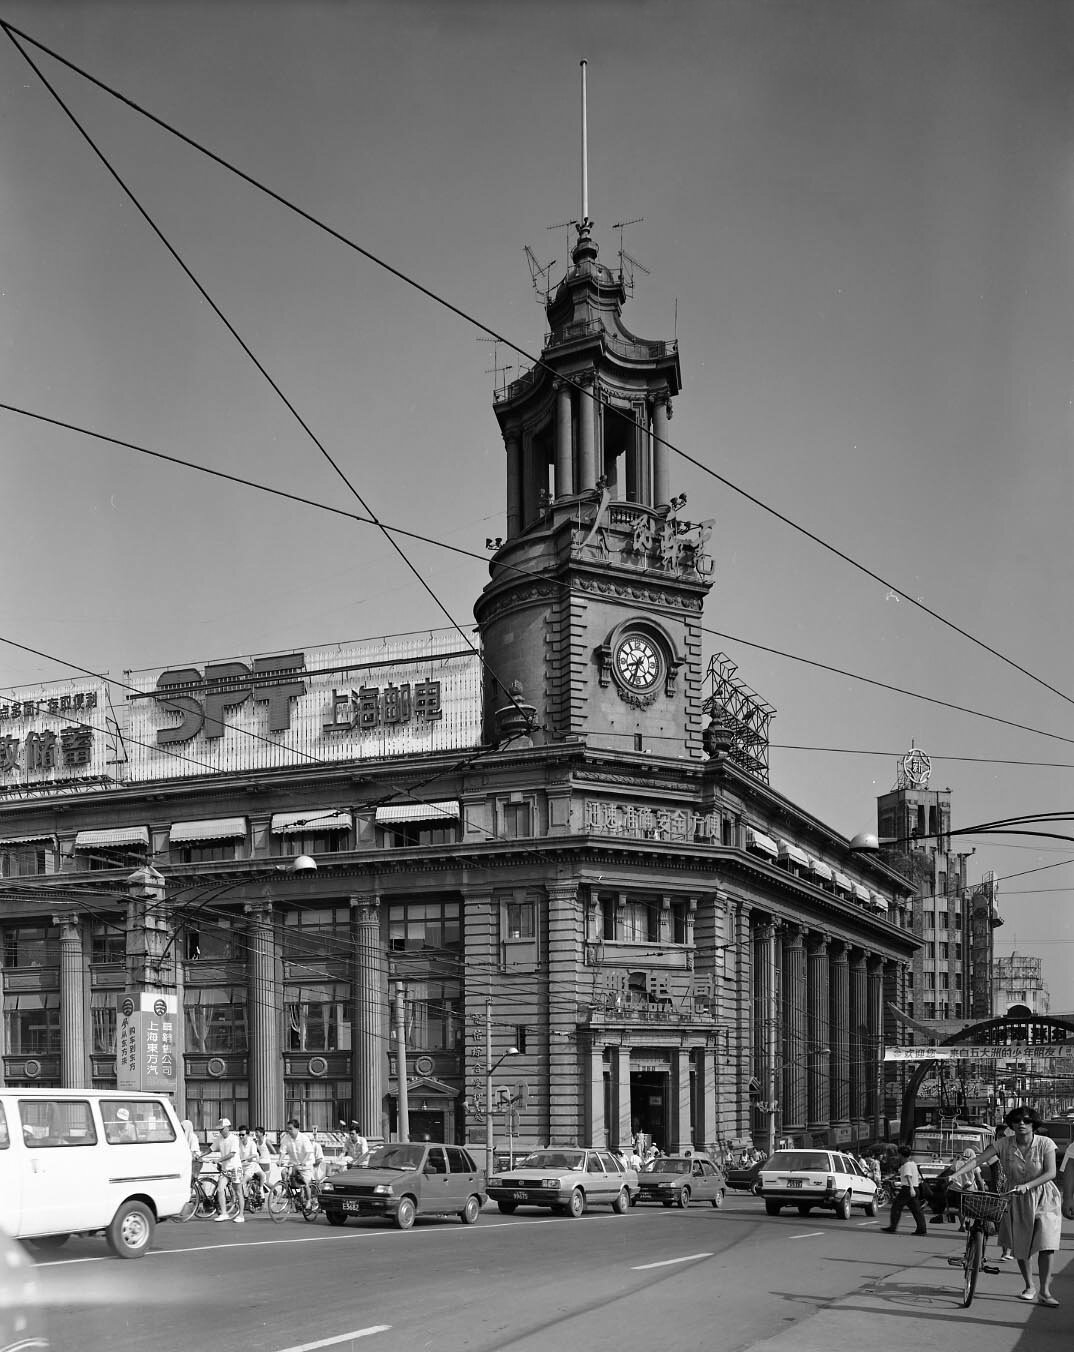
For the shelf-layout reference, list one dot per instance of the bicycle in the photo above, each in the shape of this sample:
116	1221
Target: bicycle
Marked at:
201	1204
289	1195
980	1211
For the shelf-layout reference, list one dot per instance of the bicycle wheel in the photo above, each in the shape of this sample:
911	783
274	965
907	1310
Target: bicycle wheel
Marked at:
971	1265
231	1199
280	1202
189	1209
206	1208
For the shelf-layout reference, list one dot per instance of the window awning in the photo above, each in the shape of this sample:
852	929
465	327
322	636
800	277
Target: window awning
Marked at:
757	840
418	812
213	828
842	881
793	853
880	902
820	869
863	894
33	1000
310	822
116	835
25	840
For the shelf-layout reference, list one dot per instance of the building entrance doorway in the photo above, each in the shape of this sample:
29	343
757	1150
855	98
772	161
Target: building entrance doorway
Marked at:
427	1125
649	1105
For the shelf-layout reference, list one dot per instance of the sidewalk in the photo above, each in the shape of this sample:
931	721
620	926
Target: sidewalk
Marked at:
920	1305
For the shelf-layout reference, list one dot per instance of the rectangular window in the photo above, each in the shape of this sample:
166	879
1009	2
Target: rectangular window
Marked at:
205	851
31	1032
958	952
112	856
317	935
56	1122
958	981
958	1011
945	982
521	920
930	949
320	1105
943	918
637	923
941	883
212	941
518	934
216	1020
310	842
31	946
135	1122
434	1015
25	861
930	981
944	950
402	834
103	1022
909	981
207	1101
930	1011
108	941
517	820
417	925
910	1008
520	1037
318	1018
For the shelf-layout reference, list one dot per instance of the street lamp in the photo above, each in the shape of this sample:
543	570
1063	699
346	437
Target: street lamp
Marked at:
489	1125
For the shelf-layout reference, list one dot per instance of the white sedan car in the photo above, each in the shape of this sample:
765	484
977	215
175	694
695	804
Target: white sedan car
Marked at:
566	1179
806	1179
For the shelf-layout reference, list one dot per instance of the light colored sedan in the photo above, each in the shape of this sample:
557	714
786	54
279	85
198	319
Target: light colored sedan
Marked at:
806	1179
566	1180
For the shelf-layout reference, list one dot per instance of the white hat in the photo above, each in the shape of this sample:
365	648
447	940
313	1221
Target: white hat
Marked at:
224	1122
122	1115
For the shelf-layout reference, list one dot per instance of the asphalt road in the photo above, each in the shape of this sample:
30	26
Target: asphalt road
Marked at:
704	1279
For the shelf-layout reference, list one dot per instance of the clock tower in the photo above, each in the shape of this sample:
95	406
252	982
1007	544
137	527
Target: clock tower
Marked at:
592	616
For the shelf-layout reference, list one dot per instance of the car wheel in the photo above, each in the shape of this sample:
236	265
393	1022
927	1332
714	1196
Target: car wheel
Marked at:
507	1208
49	1241
755	1188
771	1208
471	1211
335	1218
131	1231
717	1201
843	1207
621	1205
804	1208
576	1205
871	1208
405	1215
684	1198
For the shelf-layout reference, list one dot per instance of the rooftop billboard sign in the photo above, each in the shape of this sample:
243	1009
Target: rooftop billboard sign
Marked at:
59	736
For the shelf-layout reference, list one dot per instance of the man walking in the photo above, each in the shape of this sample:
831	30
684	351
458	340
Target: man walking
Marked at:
908	1194
229	1162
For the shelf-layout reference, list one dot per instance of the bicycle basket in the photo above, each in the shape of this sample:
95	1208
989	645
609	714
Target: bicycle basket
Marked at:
984	1206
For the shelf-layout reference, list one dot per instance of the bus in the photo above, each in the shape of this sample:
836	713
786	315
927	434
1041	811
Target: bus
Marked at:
937	1148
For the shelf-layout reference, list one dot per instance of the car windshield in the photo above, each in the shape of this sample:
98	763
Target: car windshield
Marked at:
668	1167
397	1157
554	1159
790	1160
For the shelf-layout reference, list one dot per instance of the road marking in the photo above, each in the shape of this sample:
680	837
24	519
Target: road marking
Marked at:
669	1262
811	1234
340	1338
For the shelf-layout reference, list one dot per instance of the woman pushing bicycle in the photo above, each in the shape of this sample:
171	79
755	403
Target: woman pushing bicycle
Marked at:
1035	1212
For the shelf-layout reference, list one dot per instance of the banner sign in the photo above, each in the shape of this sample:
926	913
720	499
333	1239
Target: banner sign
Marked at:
1014	1051
58	735
382	697
147	1052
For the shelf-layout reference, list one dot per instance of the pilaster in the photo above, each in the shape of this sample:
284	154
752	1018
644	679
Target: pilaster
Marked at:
368	1029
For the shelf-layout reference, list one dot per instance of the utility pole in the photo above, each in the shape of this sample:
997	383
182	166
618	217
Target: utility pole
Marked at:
489	1126
400	1061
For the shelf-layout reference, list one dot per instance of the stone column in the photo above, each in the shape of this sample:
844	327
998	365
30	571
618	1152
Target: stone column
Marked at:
566	952
766	1028
859	1080
741	996
706	1128
265	999
795	1071
564	442
74	1051
595	1131
587	445
682	1128
874	1049
817	1031
514	485
661	454
839	1028
369	1025
621	1096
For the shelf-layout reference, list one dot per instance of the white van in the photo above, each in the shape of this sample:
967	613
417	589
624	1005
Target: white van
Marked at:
79	1161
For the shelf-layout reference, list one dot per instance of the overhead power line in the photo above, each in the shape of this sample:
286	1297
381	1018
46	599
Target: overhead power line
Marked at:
15	34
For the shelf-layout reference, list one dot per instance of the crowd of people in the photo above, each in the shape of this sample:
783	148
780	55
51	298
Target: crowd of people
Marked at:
248	1159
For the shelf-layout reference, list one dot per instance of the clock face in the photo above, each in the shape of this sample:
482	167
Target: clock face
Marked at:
638	663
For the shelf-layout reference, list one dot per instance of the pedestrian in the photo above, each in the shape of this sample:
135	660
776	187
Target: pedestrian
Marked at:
357	1145
229	1163
1067	1174
1036	1209
968	1182
193	1145
908	1194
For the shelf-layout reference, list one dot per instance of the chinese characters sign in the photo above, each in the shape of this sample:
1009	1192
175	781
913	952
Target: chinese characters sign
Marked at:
55	735
382	697
645	823
147	1053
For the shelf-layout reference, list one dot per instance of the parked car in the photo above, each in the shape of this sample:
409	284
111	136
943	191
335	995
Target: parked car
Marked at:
404	1180
677	1180
815	1178
565	1179
745	1177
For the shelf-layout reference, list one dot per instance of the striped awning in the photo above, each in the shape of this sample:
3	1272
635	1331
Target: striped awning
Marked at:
309	822
820	869
880	902
212	828
793	853
757	840
8	841
418	812
863	894
842	882
116	835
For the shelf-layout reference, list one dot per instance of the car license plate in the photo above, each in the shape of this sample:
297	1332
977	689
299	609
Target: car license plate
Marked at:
520	1196
794	1182
350	1205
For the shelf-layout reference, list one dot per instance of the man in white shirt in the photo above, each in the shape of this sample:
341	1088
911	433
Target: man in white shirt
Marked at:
251	1165
909	1193
296	1149
229	1162
357	1145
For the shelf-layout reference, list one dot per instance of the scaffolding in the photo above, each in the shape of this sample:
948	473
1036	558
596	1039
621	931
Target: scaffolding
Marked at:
745	716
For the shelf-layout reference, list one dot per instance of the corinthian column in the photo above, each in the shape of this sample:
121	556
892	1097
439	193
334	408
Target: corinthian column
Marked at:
74	1067
265	1059
794	1030
817	1032
368	1031
840	1035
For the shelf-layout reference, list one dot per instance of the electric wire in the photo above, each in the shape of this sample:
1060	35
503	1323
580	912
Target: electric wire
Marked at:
14	34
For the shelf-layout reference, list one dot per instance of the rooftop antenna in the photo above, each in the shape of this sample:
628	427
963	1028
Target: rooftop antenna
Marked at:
539	275
627	264
585	153
495	370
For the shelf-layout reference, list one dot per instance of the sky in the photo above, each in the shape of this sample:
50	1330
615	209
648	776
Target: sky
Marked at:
857	219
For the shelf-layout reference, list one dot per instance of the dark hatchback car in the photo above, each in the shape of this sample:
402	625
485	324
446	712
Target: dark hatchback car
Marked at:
745	1178
404	1180
676	1180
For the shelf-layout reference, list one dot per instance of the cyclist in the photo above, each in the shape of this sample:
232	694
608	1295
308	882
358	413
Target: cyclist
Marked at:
251	1164
229	1162
296	1149
266	1155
